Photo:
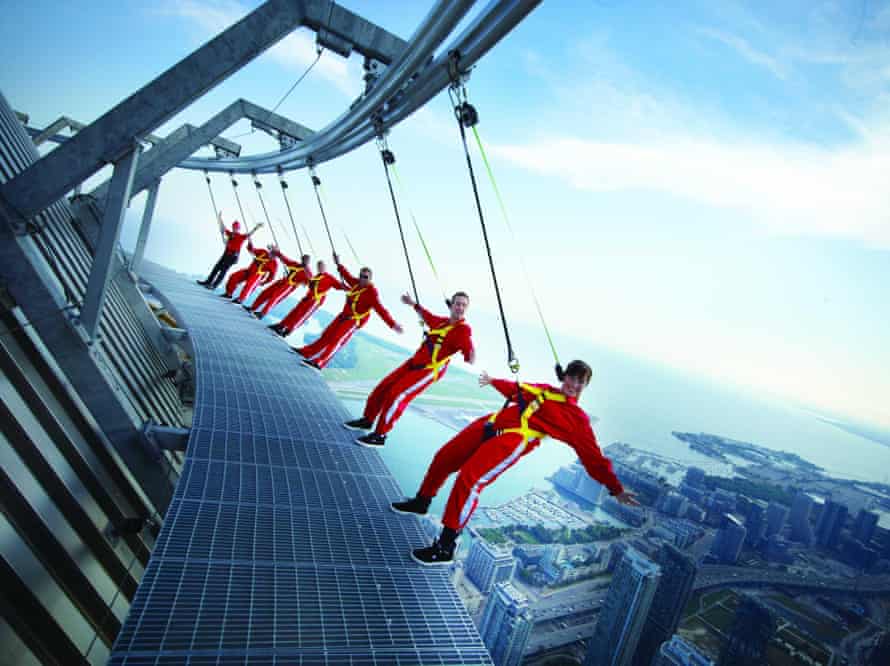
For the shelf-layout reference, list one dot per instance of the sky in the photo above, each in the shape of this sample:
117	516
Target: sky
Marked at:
702	185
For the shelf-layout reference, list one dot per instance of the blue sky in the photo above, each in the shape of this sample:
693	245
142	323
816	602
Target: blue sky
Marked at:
703	185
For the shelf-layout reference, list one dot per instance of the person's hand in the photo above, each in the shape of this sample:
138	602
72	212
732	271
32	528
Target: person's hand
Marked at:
484	379
260	224
627	498
336	258
407	300
398	328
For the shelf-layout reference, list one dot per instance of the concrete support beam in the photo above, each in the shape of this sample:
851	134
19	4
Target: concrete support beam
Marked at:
145	227
112	135
109	234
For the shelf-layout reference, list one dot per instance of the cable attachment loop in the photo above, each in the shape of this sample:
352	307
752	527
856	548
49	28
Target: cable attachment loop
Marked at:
513	364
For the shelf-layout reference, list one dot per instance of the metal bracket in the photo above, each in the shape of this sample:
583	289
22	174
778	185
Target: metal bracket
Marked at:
156	439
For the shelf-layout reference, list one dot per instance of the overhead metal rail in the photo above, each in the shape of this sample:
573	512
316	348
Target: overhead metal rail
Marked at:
391	99
110	138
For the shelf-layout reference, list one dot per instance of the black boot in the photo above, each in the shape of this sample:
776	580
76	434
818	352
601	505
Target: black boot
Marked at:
440	553
418	504
359	424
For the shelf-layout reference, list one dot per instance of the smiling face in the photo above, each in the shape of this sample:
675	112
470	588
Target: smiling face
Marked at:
573	386
459	304
576	378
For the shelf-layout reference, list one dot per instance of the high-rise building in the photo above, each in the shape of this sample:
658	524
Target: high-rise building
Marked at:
828	529
801	508
677	652
776	515
864	527
674	589
749	635
755	522
506	625
577	481
729	540
488	565
695	477
624	611
553	561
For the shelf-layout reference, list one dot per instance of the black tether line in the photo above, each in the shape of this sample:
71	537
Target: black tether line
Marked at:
289	213
316	183
259	186
210	190
388	158
461	113
237	198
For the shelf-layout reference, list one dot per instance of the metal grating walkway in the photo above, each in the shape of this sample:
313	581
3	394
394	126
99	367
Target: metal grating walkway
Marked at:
279	546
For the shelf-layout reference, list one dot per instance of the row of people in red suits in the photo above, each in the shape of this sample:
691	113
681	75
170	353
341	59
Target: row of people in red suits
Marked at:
482	451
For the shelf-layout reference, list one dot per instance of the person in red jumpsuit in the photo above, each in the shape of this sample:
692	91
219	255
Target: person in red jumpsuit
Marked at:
319	285
492	444
361	298
261	270
296	273
446	337
233	240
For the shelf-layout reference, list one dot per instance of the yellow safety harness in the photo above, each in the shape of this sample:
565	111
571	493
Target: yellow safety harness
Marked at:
292	273
262	263
352	297
541	395
434	339
313	287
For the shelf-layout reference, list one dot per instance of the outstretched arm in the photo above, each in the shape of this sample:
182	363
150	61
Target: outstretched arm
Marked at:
254	230
384	314
504	387
348	277
427	316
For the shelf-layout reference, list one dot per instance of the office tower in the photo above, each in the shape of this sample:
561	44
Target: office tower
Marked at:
677	652
624	611
695	477
864	527
828	529
755	522
674	589
801	508
506	625
488	565
728	544
553	561
751	630
776	515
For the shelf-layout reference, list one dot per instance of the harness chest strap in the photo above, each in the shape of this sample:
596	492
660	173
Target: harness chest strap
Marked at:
313	287
261	264
353	295
541	395
293	272
440	334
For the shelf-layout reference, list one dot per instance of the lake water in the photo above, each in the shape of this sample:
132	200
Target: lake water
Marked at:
641	403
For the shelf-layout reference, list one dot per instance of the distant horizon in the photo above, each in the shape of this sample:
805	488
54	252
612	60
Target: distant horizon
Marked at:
709	197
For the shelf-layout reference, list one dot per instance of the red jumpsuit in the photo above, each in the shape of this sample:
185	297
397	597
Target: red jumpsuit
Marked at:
260	271
355	314
480	461
276	292
319	286
391	396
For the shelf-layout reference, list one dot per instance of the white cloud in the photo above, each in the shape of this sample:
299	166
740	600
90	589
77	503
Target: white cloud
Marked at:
793	189
296	51
744	48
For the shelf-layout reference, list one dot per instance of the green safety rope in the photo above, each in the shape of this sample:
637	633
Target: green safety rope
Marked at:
528	279
426	249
